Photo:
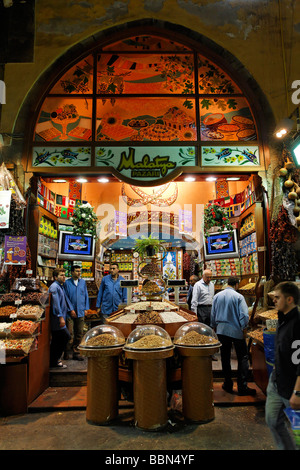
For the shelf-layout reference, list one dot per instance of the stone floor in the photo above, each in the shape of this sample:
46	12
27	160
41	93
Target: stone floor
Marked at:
57	421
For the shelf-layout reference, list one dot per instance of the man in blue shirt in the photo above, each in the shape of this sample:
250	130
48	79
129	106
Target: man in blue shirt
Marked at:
111	294
60	307
77	293
229	317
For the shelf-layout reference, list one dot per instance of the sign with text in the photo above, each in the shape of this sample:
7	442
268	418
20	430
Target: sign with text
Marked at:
15	250
145	163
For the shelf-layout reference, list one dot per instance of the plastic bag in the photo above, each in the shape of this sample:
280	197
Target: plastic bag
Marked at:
7	183
269	347
176	400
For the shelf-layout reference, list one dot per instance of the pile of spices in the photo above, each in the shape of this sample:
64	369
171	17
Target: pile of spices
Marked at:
151	341
193	338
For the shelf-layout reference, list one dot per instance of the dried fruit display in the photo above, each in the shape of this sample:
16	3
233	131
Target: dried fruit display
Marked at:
7	310
23	328
16	347
256	335
28	311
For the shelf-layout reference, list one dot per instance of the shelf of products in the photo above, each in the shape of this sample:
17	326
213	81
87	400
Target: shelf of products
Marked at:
25	342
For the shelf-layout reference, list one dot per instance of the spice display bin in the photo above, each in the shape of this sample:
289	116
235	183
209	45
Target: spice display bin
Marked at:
149	378
102	373
196	371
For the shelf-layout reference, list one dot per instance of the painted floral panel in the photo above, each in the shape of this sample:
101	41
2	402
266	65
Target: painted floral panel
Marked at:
78	79
226	119
64	119
145	73
146	43
145	119
213	80
61	157
230	156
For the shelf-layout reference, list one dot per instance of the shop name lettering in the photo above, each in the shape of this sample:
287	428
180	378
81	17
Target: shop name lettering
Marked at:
146	168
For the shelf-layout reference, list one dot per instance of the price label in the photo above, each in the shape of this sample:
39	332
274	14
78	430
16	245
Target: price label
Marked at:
13	316
18	302
22	288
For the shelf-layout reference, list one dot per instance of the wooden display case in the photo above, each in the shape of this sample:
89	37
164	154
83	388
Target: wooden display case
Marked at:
24	378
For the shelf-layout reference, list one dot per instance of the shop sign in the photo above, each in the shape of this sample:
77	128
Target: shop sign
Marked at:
233	156
145	163
15	250
5	198
61	157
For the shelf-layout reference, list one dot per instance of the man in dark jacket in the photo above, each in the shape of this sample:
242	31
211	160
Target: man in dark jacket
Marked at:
284	382
193	280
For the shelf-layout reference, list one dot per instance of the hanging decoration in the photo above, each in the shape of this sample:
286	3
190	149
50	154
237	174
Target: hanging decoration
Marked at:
216	219
154	198
84	220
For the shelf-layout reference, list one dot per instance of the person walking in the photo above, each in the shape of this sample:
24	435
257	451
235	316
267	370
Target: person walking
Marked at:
111	294
203	293
229	317
284	382
77	293
60	307
193	280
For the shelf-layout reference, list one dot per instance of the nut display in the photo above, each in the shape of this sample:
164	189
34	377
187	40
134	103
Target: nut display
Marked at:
151	341
193	338
33	312
106	339
151	288
27	283
10	297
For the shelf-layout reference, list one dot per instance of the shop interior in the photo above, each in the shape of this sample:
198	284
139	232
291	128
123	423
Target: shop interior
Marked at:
172	212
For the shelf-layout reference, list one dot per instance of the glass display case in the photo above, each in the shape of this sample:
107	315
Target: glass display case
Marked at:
148	337
102	336
196	334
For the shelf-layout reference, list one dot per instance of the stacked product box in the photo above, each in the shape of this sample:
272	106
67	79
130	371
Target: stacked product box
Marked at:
249	264
248	225
224	267
248	245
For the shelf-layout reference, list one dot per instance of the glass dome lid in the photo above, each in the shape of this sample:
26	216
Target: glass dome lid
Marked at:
102	336
196	334
148	337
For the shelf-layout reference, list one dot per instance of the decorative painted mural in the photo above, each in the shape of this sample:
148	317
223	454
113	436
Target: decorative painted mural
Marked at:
146	43
213	80
64	119
78	79
226	119
61	157
230	156
145	119
144	74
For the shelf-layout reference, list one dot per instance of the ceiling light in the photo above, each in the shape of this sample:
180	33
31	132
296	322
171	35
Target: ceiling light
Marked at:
233	179
283	127
82	180
190	178
211	178
59	181
103	180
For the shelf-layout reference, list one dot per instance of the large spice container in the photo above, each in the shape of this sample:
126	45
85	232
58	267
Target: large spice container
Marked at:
102	345
196	344
149	346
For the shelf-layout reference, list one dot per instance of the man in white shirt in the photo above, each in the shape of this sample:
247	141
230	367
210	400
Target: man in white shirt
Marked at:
202	299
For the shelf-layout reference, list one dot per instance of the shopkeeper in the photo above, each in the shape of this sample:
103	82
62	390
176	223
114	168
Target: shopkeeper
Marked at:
77	293
111	294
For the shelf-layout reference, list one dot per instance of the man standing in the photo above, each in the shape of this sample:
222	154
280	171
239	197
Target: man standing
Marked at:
229	317
77	293
203	292
193	280
111	294
59	308
284	382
